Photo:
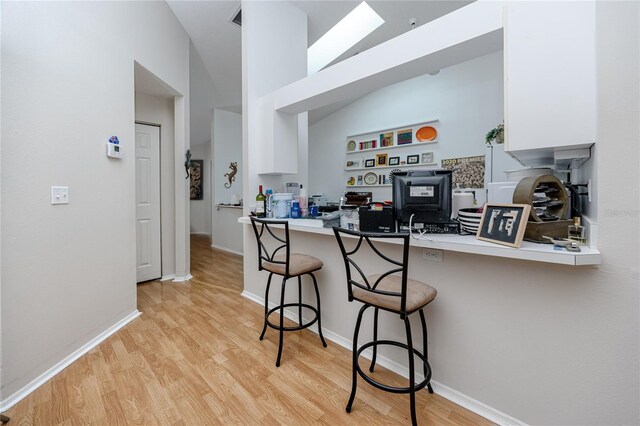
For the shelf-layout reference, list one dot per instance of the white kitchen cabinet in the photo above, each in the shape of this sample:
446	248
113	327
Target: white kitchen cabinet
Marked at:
550	79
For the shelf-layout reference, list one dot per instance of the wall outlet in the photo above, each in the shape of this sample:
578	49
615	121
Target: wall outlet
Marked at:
434	255
59	195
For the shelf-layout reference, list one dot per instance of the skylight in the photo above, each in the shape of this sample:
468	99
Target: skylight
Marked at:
358	24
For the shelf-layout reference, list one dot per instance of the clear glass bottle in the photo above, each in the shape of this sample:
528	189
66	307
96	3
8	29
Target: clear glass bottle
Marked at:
576	232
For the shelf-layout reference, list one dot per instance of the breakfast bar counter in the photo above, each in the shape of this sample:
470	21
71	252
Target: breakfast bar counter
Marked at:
469	244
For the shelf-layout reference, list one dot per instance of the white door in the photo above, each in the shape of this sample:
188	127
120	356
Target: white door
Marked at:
147	202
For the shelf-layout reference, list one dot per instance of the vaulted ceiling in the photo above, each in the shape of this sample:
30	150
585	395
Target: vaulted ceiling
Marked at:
218	41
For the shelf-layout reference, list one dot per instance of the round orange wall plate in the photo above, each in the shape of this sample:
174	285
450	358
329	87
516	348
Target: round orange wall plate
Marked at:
425	134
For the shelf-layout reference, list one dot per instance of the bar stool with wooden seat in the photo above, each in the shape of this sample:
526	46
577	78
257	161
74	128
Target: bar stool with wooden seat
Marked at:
390	291
287	265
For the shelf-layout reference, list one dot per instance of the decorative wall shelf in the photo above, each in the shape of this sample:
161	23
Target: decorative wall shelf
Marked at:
409	131
400	166
421	136
414	144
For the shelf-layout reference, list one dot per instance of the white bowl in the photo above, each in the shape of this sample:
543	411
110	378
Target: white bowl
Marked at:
470	219
470	213
470	230
466	222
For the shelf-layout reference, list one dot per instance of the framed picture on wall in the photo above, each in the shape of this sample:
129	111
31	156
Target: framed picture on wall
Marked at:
394	161
413	159
196	179
427	157
405	136
352	163
381	160
370	163
504	223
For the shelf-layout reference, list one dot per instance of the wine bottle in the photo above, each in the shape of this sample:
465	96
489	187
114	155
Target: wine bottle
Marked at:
260	198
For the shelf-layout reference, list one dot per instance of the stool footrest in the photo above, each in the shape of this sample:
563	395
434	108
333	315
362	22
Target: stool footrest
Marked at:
293	328
392	389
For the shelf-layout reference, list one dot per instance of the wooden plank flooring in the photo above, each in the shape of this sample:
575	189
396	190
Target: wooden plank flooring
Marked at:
194	358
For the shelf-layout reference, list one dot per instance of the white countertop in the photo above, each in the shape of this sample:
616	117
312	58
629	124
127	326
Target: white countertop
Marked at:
228	206
469	244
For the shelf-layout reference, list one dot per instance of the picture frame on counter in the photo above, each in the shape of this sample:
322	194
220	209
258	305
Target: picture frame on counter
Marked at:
381	160
427	157
370	162
394	161
504	224
413	159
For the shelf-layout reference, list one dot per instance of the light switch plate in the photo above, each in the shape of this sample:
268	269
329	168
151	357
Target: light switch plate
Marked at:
59	195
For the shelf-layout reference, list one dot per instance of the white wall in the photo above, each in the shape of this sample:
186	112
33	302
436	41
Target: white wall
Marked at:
274	46
227	148
68	271
201	209
203	97
159	110
466	98
202	100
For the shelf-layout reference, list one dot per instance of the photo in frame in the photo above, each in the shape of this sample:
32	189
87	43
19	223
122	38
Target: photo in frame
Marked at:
381	160
394	161
386	139
504	224
196	179
370	162
427	158
352	163
413	159
405	137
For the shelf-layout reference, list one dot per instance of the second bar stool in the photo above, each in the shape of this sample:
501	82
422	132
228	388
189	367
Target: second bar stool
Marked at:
390	291
287	265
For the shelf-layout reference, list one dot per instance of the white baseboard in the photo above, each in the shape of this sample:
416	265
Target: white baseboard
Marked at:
167	277
201	233
444	391
65	362
239	253
182	279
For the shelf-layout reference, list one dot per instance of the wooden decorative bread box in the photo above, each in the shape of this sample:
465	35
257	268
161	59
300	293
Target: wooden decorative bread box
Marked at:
549	204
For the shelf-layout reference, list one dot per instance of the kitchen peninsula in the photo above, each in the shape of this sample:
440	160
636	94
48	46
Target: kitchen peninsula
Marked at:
517	335
470	245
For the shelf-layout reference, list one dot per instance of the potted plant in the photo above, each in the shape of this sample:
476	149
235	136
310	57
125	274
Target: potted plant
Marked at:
496	134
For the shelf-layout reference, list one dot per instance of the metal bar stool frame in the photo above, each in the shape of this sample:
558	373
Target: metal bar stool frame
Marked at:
401	267
265	256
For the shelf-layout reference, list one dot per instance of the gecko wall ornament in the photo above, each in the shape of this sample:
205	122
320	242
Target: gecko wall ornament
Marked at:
187	163
231	176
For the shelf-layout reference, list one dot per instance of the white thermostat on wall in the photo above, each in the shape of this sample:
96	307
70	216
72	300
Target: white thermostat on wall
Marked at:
114	150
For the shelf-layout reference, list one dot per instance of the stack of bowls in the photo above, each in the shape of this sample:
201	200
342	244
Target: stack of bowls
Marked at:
470	219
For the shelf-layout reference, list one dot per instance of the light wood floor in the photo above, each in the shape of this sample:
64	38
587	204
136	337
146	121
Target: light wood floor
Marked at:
194	358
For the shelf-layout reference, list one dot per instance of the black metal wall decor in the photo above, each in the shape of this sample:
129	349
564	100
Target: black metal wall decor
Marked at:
187	164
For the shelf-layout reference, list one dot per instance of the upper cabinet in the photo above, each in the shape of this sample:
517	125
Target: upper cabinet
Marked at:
550	79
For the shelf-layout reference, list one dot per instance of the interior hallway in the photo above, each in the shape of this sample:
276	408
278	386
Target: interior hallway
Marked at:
194	358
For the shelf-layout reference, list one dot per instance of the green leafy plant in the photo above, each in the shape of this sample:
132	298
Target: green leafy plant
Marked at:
495	134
